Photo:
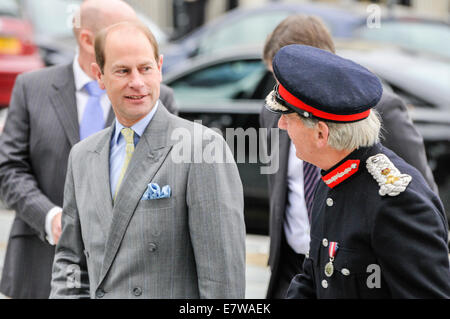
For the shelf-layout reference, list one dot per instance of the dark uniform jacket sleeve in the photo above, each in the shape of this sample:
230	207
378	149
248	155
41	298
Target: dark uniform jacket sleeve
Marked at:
408	237
302	285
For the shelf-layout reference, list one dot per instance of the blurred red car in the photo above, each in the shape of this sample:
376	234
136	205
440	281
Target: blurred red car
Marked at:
17	53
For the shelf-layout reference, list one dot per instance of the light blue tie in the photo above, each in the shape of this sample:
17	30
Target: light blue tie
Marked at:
92	120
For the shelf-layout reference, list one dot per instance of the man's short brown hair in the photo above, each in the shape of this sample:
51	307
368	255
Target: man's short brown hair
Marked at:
298	29
100	40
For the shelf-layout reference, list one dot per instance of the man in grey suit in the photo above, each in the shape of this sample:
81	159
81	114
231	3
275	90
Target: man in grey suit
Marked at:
43	123
137	221
288	187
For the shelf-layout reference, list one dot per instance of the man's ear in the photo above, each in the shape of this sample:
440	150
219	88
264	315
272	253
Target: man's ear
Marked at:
86	41
160	63
322	133
97	72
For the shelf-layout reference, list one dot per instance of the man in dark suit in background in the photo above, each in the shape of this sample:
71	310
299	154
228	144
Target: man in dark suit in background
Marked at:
292	187
51	110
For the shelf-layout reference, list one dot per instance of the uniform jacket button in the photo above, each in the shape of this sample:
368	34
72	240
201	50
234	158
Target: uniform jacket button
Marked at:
324	284
152	247
330	202
100	293
325	242
137	291
345	271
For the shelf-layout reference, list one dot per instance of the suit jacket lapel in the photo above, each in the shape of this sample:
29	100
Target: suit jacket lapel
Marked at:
110	117
63	100
148	157
100	181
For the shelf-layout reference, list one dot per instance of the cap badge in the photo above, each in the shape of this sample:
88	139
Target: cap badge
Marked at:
273	104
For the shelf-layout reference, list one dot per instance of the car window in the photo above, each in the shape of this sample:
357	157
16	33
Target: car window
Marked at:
223	81
9	8
246	31
429	37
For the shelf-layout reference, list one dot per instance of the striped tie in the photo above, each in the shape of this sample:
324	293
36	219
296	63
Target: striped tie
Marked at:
310	179
128	134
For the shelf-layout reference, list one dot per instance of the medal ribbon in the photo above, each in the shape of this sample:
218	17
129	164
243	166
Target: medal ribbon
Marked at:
332	249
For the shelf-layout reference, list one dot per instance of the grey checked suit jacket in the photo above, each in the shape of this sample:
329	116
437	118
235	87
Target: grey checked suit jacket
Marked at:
41	128
191	245
399	135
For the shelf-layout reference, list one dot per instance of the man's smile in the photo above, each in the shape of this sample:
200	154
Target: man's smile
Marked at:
135	97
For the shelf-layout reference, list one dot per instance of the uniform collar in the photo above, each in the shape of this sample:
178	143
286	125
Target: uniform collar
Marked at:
348	167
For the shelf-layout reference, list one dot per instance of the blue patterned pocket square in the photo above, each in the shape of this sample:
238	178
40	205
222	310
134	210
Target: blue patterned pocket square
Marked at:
155	192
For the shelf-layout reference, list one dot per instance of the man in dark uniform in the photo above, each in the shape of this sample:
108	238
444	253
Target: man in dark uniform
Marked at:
292	186
377	229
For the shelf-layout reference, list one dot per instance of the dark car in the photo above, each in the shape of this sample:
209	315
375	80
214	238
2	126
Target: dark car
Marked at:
250	26
227	91
17	52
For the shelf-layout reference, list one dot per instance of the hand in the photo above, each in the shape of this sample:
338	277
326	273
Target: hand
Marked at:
56	227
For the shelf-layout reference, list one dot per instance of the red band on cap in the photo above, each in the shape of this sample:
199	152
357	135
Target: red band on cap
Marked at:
288	97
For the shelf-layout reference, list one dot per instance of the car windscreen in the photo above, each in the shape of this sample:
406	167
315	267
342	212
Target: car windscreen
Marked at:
229	80
419	36
243	32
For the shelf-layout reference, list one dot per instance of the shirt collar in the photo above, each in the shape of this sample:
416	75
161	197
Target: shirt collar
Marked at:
81	78
139	127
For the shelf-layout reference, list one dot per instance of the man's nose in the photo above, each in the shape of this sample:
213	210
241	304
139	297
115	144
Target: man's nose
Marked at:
136	80
282	122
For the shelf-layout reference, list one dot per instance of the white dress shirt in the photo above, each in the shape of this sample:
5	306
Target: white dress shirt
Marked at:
296	222
82	96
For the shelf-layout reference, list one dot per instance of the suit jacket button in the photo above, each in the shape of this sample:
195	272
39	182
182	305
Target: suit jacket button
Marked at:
325	242
152	247
137	291
100	293
324	284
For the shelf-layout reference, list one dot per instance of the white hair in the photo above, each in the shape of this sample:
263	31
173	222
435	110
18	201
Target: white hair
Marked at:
350	136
